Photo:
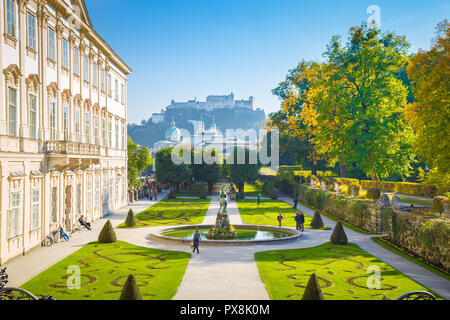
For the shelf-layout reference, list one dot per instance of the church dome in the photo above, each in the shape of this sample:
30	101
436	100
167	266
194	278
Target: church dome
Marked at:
173	134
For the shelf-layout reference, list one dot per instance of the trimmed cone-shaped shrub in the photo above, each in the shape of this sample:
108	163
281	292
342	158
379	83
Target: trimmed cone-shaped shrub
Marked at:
339	237
107	235
313	291
131	219
130	290
317	222
373	193
171	196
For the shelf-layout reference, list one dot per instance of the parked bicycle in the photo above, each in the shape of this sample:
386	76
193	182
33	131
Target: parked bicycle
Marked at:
51	239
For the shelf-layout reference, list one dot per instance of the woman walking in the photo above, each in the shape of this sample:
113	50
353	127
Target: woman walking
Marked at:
196	241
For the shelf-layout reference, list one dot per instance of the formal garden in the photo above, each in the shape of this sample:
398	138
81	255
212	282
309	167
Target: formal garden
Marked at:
267	212
342	273
104	269
172	212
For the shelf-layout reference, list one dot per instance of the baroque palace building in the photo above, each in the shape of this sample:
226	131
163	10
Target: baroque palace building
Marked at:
63	117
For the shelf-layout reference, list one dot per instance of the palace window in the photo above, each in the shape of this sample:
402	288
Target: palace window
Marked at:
122	93
98	195
87	127
35	209
109	86
12	112
78	195
124	145
104	142
54	205
76	61
111	188
11	18
14	216
66	122
105	190
77	124
95	76
86	69
117	188
65	46
31	31
97	142
110	145
51	44
52	114
89	194
103	80
116	87
124	187
117	135
33	116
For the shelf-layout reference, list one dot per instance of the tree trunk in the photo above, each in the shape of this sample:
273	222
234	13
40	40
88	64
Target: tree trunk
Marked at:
314	171
210	186
343	170
241	187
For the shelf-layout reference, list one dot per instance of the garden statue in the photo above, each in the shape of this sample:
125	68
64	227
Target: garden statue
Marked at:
222	230
384	201
223	200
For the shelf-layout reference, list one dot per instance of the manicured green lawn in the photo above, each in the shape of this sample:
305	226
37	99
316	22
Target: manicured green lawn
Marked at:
173	212
251	190
105	268
267	213
342	272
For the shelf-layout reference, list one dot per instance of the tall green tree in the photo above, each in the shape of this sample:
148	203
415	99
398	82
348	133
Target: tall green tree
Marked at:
167	171
206	172
353	104
430	113
139	159
242	170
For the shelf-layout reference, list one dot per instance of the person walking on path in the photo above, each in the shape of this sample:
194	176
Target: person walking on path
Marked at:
301	221
259	199
297	220
196	241
280	219
155	193
295	202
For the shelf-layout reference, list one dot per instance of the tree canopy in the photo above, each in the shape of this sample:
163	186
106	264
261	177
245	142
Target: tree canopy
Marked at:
139	159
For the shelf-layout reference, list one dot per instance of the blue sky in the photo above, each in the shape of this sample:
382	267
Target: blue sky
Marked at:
181	49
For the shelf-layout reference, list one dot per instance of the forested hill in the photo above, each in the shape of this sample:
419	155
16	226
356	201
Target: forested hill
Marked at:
147	133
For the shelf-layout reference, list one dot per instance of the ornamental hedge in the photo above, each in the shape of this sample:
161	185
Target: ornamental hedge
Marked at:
412	189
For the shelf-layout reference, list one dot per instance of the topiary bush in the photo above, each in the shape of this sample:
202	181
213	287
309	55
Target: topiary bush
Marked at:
130	222
373	193
317	222
107	235
313	291
130	290
339	237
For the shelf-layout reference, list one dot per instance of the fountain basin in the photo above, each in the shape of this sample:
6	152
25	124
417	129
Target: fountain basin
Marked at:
247	235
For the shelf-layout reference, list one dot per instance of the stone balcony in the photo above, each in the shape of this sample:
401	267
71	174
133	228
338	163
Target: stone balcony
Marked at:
72	148
70	155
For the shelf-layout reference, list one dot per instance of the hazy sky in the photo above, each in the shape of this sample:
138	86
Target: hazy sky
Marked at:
181	49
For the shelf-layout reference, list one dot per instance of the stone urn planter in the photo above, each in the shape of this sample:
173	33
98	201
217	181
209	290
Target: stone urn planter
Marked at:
355	190
337	188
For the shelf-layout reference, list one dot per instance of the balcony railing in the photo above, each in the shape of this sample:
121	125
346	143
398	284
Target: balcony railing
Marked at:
74	148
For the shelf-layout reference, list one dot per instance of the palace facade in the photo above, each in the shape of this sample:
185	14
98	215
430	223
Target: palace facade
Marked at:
63	115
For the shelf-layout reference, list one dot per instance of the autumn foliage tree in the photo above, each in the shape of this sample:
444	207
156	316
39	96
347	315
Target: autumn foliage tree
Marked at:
430	113
352	106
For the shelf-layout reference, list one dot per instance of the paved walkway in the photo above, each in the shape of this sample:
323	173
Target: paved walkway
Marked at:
225	273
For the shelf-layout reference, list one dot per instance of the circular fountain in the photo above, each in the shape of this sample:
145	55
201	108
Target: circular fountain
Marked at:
246	235
223	233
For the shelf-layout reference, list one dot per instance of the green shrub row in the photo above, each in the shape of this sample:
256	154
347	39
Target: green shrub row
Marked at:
412	189
355	212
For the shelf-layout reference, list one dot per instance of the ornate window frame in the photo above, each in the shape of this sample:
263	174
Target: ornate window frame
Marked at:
11	39
33	84
12	77
52	98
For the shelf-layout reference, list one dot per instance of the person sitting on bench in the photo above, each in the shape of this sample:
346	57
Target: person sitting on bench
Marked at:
85	223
